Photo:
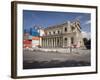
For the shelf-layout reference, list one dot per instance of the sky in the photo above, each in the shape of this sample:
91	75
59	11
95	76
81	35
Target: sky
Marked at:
50	18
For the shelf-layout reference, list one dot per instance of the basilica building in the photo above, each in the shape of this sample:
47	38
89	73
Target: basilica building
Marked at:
63	35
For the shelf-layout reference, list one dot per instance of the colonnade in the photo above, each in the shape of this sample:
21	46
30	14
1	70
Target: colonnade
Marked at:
52	42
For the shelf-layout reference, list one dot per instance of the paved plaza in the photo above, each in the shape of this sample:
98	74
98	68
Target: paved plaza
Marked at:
77	57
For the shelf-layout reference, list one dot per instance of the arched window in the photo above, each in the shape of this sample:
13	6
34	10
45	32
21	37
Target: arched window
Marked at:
72	40
58	31
53	32
49	33
65	29
72	28
65	39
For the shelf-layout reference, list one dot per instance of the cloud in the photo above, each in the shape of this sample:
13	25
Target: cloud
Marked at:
87	22
86	35
79	17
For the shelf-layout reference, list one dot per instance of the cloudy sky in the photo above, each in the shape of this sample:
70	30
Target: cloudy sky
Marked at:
48	18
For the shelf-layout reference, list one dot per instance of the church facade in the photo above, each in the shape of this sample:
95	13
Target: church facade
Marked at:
63	35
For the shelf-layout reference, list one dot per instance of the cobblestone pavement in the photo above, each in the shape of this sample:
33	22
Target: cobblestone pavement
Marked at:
78	55
48	59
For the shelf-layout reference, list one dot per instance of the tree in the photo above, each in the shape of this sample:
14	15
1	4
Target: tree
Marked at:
87	43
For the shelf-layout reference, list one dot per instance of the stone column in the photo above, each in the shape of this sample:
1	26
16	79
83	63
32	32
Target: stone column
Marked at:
48	42
52	42
56	41
42	42
69	42
61	42
45	42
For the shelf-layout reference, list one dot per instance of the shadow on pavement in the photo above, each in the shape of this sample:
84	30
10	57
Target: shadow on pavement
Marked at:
53	64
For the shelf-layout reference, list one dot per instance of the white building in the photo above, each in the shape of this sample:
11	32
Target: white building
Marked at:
63	35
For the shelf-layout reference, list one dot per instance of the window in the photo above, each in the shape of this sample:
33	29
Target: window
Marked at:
72	40
58	31
65	29
72	28
50	33
54	32
65	39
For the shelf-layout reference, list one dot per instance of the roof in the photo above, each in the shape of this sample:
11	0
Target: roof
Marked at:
60	25
55	26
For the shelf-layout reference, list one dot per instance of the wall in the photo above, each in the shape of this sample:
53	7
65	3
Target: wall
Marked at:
5	41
